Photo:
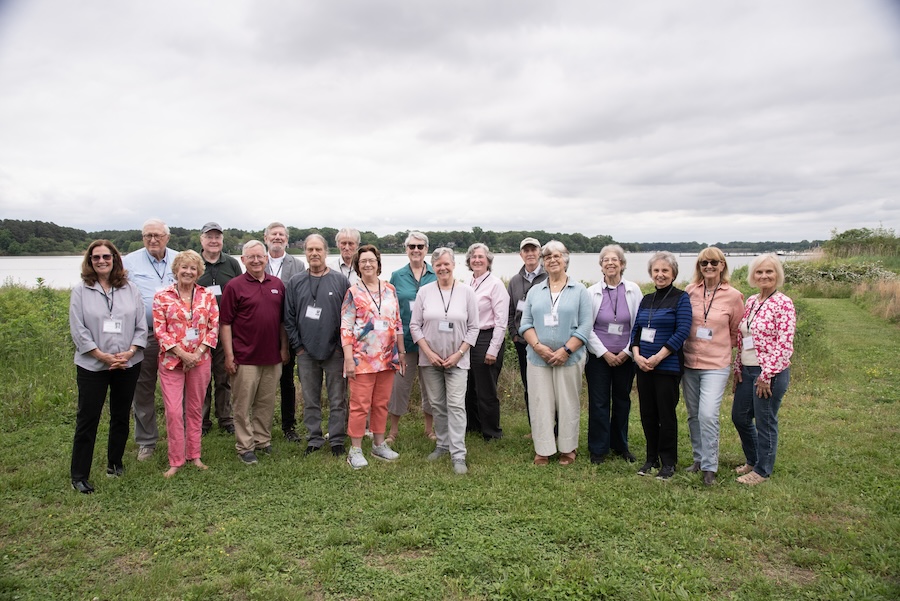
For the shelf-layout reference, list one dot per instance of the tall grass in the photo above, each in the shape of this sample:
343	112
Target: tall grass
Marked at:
881	298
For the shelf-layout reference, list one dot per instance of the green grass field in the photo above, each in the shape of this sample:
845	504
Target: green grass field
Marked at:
826	526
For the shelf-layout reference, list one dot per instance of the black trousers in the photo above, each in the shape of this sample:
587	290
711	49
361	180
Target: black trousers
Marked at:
522	353
288	395
658	395
609	404
92	388
482	402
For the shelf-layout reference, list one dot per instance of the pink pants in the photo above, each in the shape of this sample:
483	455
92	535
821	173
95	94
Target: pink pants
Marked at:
369	392
183	394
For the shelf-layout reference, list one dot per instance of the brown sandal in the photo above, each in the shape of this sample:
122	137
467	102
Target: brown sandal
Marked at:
541	460
567	458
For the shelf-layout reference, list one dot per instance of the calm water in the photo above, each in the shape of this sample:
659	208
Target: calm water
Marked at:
62	272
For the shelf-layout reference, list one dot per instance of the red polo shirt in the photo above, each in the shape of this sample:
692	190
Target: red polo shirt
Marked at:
254	310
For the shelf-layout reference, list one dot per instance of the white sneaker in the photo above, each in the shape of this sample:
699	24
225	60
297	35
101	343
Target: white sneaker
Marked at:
383	451
369	434
355	458
459	466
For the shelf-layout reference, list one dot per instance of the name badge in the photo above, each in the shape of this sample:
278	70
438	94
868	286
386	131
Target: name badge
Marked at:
520	306
704	333
445	326
748	343
551	320
648	334
215	290
112	326
615	328
314	312
412	304
192	334
381	325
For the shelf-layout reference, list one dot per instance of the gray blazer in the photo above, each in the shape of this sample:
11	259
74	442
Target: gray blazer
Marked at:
291	266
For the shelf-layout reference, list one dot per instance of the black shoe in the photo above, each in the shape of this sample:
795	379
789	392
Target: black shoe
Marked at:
267	450
249	458
204	431
338	450
694	468
709	478
597	459
114	471
229	429
82	486
292	436
647	469
311	449
626	455
666	472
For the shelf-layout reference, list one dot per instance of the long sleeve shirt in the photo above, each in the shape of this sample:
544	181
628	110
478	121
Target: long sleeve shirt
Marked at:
721	312
177	323
493	309
150	275
312	312
573	318
668	312
602	295
434	309
518	288
370	324
407	287
772	324
123	312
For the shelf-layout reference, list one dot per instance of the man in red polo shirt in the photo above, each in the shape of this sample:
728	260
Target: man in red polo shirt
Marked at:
252	331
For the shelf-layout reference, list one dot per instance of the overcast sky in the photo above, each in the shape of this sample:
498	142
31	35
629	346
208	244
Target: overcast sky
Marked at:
648	121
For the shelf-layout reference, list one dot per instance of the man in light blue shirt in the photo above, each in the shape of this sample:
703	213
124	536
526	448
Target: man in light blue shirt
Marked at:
151	270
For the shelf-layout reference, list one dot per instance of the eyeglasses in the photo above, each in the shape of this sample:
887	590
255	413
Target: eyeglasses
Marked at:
154	236
368	261
713	262
415	246
255	257
609	260
96	258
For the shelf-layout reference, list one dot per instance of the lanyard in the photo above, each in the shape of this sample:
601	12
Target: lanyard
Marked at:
753	315
706	309
191	309
315	292
449	300
376	302
214	270
161	276
615	301
486	276
556	300
421	275
650	317
109	298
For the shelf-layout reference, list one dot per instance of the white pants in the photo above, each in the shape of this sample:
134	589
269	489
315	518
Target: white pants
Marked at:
555	392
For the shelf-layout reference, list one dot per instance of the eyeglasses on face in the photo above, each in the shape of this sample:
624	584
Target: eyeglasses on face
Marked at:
368	261
96	258
415	246
609	260
154	236
713	262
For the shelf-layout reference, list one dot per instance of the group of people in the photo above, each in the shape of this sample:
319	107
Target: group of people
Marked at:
215	335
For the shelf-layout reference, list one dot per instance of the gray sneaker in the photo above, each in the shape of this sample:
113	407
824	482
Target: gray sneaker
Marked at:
249	458
383	451
459	467
355	458
437	454
145	453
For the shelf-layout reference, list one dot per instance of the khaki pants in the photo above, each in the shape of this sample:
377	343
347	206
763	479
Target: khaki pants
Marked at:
253	392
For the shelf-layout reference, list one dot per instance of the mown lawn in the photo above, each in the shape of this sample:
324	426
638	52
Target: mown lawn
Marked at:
827	525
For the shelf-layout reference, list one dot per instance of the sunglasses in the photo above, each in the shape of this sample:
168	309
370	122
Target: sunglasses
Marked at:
96	258
415	246
713	262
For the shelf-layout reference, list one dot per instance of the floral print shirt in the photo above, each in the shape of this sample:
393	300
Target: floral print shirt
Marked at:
172	318
772	324
370	323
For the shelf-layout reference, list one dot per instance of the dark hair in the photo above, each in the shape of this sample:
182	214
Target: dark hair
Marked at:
366	248
116	276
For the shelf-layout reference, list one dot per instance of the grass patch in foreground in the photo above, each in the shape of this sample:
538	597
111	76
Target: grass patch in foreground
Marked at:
293	527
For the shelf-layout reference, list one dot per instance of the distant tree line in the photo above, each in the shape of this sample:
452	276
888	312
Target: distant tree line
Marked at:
42	238
877	242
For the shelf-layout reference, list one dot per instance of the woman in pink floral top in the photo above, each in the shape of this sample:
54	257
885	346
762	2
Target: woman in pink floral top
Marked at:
372	337
186	324
762	368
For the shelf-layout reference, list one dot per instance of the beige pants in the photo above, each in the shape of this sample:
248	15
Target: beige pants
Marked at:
555	392
253	392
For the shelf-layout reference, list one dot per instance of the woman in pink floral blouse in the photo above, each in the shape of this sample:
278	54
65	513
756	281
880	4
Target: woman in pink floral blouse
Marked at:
762	368
372	337
186	324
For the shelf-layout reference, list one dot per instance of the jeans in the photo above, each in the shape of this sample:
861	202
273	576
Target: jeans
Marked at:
703	390
759	440
608	386
311	372
92	387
